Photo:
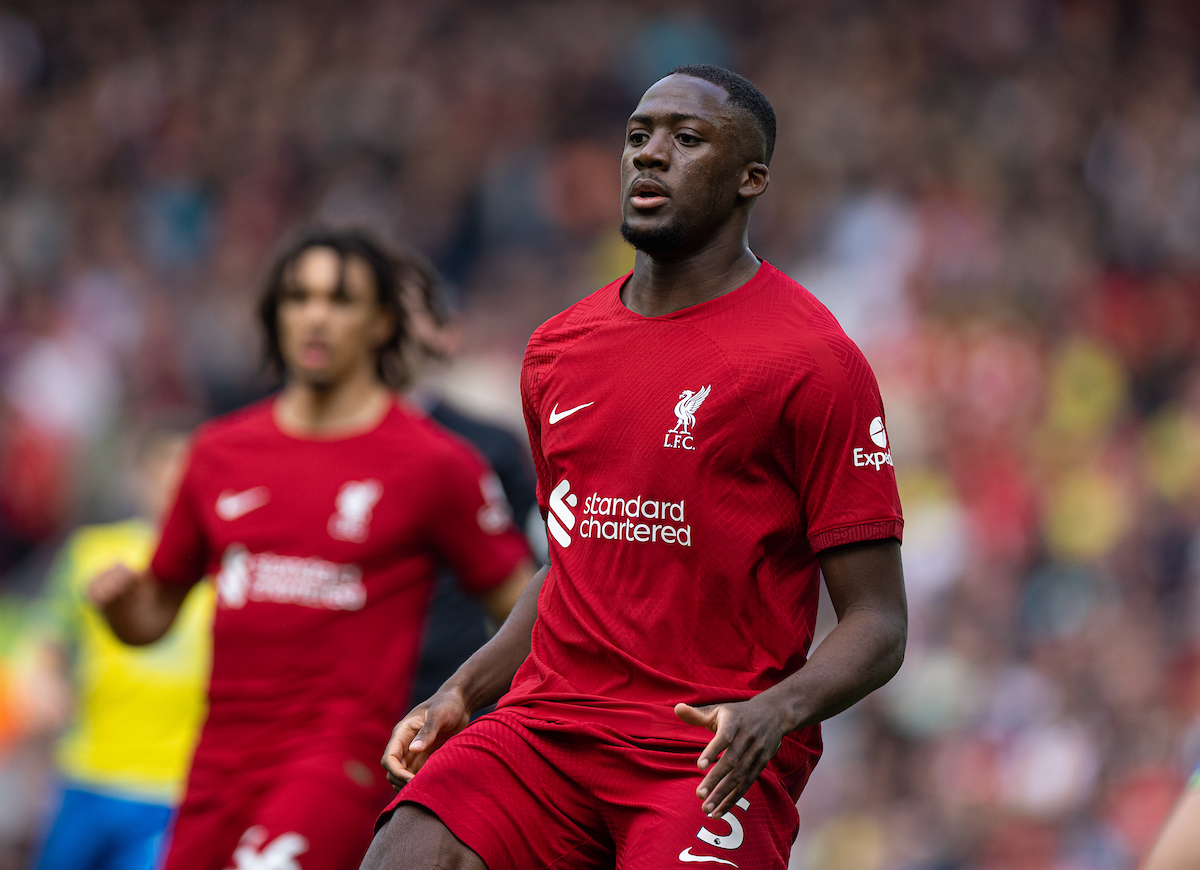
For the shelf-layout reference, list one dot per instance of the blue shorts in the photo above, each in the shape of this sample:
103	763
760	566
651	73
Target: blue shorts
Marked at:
94	831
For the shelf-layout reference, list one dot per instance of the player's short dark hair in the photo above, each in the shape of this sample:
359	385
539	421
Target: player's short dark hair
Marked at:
389	361
742	94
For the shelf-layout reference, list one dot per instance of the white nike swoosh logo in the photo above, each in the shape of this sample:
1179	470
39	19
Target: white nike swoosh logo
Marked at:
688	858
555	416
231	505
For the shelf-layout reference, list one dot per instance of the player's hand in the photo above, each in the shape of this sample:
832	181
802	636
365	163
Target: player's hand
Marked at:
747	735
427	727
112	584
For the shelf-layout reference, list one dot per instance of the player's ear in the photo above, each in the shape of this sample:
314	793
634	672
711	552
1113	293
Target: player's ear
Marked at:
383	328
755	178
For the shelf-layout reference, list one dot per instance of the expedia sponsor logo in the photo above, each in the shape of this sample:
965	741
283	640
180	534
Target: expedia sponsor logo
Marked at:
246	576
876	458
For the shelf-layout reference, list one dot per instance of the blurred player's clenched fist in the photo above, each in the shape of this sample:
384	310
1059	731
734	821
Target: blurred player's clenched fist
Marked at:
112	584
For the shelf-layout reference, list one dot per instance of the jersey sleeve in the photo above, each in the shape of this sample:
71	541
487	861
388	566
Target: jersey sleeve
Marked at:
841	458
182	553
531	406
472	526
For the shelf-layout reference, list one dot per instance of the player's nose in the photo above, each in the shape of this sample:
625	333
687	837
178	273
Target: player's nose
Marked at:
655	153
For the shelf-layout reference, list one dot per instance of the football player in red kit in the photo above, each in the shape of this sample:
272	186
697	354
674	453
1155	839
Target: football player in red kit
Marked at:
708	444
323	513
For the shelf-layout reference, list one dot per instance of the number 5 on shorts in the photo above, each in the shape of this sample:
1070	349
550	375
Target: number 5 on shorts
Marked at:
735	836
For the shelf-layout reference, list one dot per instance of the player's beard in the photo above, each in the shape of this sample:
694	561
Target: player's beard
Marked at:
657	241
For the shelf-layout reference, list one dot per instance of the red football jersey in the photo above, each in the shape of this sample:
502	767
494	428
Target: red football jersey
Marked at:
690	467
324	554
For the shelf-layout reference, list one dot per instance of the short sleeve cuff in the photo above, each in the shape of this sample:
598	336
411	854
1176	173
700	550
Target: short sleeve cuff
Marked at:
879	530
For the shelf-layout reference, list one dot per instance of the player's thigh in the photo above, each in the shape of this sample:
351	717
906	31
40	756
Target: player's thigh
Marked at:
672	831
415	838
508	794
306	824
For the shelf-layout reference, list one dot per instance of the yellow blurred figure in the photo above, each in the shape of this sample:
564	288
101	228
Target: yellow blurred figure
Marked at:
137	711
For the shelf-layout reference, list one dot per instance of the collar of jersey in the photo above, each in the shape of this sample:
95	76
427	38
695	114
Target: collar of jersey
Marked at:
701	309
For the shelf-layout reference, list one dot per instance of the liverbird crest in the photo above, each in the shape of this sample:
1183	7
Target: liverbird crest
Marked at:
685	409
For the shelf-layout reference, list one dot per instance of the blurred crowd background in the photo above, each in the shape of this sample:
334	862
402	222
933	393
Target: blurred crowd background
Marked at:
999	198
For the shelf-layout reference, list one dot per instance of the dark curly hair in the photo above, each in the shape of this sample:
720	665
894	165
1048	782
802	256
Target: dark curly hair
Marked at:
742	94
389	361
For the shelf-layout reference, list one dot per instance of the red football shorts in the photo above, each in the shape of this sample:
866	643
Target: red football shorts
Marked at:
526	793
314	815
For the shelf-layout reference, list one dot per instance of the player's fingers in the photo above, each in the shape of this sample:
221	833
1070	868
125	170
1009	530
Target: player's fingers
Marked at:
717	768
400	778
719	744
749	761
402	736
395	747
705	717
395	771
427	733
108	584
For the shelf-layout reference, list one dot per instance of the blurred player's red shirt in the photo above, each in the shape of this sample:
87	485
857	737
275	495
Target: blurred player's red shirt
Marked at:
691	467
324	553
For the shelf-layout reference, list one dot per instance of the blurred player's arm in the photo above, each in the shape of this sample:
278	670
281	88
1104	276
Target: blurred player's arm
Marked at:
864	651
138	608
500	601
481	680
1178	845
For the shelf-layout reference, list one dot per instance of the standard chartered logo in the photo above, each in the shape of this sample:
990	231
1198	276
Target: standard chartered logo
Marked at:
562	519
614	518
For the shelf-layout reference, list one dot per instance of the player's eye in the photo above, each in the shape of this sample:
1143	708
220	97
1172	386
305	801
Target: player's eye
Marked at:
638	137
687	139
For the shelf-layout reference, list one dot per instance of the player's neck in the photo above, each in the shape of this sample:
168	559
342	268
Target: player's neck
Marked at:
354	405
659	286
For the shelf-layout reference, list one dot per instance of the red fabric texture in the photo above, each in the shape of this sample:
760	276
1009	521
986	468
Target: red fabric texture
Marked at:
578	795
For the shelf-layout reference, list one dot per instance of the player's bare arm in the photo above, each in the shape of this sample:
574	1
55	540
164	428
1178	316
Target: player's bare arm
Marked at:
864	651
138	608
482	680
